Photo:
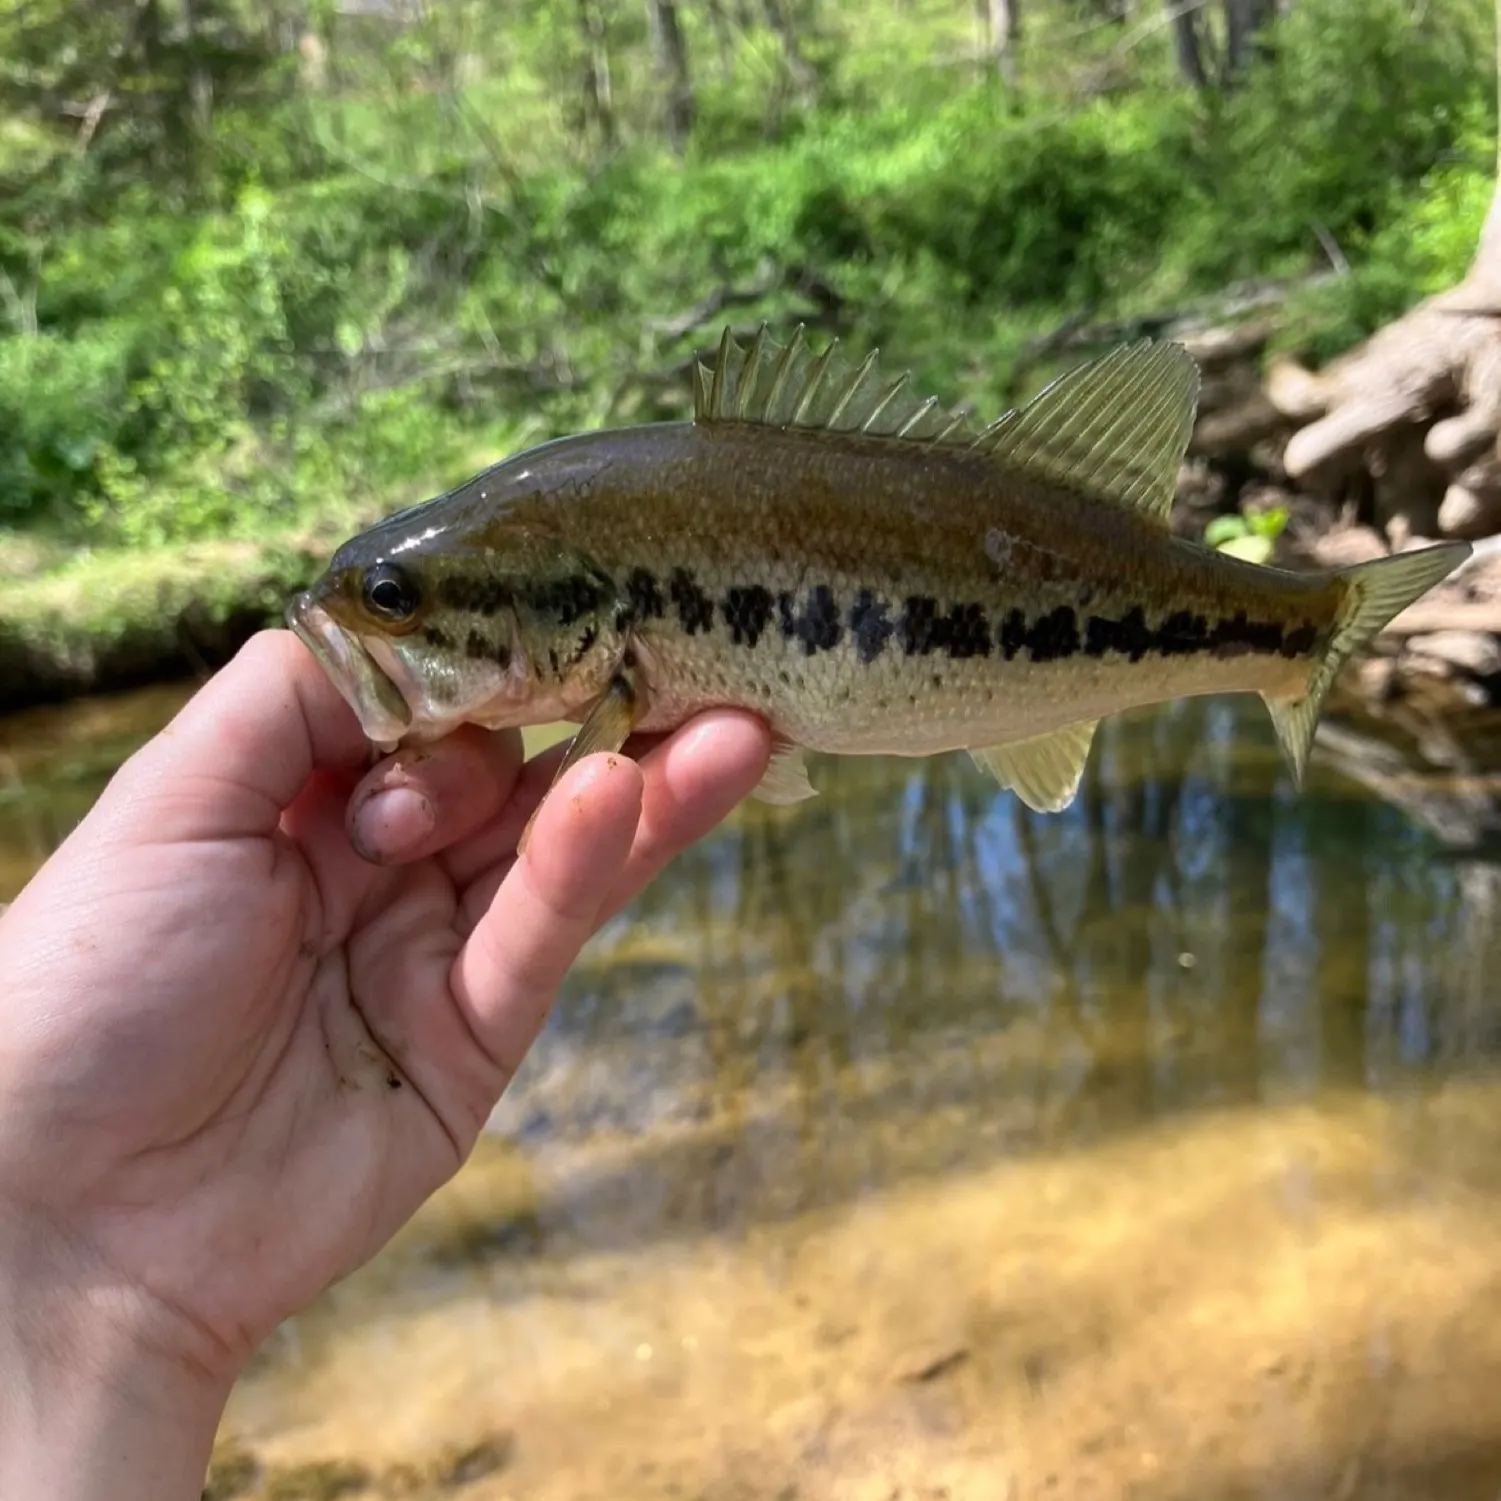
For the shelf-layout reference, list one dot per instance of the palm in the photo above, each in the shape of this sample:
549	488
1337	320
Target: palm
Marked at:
318	1040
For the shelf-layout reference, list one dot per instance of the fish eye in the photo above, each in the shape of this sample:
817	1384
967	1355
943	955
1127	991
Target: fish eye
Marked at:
390	592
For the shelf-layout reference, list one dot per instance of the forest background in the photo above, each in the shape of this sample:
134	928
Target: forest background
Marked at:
268	270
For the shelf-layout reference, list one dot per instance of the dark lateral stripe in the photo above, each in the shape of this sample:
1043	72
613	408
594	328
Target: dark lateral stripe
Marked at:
922	625
645	595
870	625
747	612
695	608
1183	634
479	648
1049	638
961	631
815	622
1054	636
479	596
568	599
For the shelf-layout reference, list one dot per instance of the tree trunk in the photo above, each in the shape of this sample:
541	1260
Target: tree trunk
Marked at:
982	32
1005	34
599	97
801	71
1356	413
1485	271
1244	19
724	35
671	53
1188	41
997	32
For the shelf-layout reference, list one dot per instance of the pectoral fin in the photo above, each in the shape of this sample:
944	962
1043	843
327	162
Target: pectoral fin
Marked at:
606	727
1044	772
786	777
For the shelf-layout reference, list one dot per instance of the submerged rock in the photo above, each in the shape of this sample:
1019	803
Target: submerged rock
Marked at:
319	1480
233	1470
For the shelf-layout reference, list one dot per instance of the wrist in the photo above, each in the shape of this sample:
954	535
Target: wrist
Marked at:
90	1406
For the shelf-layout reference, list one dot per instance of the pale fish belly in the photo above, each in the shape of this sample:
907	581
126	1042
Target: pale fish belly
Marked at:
843	669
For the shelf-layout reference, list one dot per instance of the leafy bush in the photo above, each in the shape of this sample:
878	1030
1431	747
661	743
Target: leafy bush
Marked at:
1424	247
359	288
61	399
1360	100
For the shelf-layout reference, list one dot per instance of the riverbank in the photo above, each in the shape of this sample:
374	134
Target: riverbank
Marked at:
365	261
103	619
120	619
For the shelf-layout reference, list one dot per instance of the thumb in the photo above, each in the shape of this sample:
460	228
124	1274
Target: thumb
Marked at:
242	748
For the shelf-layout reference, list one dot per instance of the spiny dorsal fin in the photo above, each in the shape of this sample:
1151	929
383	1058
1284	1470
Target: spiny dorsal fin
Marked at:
1116	427
773	386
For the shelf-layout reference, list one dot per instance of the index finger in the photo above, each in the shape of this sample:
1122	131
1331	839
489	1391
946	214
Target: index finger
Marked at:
243	747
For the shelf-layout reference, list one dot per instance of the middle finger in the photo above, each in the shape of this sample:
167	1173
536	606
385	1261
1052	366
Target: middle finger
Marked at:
484	846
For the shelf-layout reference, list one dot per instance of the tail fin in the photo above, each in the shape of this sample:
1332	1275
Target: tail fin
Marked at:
1379	591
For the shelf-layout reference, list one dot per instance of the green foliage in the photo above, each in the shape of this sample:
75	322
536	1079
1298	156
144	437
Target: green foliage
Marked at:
1249	535
1049	211
277	283
58	394
1425	246
1361	99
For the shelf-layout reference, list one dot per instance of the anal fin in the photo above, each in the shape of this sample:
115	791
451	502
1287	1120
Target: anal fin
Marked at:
786	777
606	727
1045	771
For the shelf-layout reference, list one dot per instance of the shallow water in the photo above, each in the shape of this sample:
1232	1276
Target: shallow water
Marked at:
902	1144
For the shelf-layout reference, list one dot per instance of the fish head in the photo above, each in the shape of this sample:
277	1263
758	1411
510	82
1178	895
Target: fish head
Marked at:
426	625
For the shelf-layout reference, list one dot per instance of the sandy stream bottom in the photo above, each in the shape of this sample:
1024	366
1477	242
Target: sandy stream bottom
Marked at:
1255	1302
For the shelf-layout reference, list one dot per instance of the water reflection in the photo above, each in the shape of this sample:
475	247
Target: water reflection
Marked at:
55	761
906	1143
914	943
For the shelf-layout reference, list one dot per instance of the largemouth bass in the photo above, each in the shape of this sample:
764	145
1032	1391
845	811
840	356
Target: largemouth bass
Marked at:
870	573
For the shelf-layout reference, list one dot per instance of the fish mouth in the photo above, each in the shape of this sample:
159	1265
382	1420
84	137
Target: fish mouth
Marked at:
383	712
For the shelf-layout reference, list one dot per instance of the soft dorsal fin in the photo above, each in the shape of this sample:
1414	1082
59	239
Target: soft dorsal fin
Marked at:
773	386
1117	427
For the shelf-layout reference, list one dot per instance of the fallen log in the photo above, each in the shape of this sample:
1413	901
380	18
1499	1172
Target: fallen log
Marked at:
1471	506
1423	619
1236	429
1413	412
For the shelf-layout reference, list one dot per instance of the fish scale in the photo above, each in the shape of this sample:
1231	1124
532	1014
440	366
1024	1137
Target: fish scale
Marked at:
820	690
870	573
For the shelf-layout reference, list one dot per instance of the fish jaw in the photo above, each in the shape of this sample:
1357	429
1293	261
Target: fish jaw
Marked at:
383	712
404	699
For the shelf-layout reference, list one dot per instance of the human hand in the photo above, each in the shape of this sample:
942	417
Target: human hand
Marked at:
236	1055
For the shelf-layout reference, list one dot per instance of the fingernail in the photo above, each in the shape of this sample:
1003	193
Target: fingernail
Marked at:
700	732
390	822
